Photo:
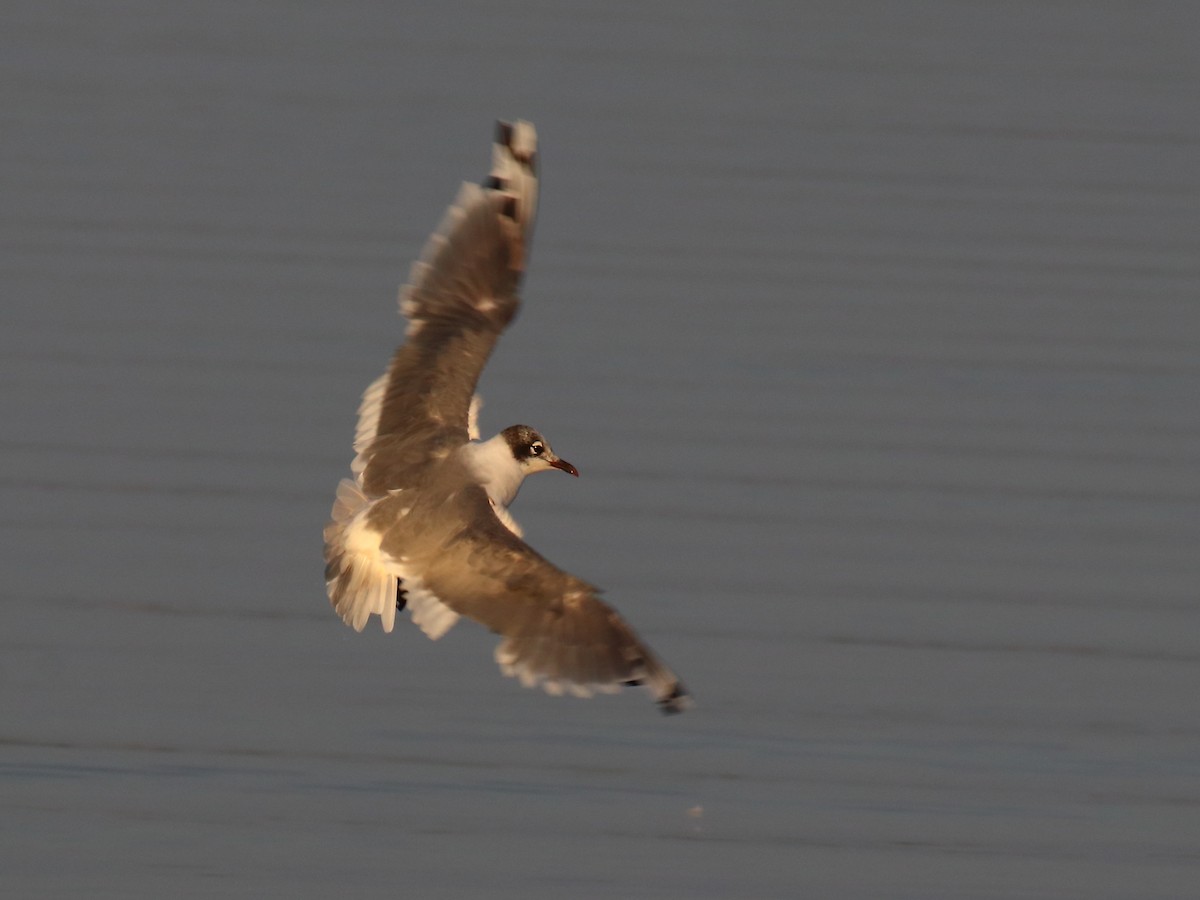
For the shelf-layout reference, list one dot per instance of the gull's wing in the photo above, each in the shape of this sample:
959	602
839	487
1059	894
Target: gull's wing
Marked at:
556	630
461	295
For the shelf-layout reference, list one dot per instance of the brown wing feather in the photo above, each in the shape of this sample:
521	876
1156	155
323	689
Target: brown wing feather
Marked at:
461	296
556	630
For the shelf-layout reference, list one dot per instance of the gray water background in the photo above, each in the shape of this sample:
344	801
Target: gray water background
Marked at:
873	328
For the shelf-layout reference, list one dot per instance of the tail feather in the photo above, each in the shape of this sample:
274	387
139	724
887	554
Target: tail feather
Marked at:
357	584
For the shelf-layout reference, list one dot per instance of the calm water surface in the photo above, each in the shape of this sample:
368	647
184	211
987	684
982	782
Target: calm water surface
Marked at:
874	330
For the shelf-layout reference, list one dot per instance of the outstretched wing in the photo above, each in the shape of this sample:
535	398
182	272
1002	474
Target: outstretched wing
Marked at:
556	630
461	295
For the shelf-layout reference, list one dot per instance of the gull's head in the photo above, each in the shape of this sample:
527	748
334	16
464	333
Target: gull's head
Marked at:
533	452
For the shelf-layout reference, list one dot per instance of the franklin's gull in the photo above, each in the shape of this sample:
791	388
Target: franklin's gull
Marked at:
424	523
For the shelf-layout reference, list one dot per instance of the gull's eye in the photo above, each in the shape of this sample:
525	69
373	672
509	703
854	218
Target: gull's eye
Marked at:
537	448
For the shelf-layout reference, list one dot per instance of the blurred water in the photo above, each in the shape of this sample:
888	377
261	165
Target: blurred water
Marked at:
873	329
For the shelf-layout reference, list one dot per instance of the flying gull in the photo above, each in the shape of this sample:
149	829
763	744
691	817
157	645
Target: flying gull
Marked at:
424	523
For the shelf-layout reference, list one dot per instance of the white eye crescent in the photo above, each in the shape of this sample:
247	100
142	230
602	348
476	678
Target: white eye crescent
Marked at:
537	448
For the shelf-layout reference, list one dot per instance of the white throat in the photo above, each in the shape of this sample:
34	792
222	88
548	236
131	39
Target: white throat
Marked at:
492	465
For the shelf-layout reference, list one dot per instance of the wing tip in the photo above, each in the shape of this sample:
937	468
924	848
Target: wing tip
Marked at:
668	692
674	700
518	137
514	173
513	178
